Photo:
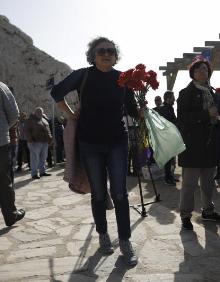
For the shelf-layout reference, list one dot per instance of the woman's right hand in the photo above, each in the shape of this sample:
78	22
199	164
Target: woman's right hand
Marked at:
65	108
74	115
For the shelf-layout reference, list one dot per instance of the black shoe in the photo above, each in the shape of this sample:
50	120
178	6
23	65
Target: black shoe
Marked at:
176	180
187	224
128	252
217	177
45	174
105	244
211	217
170	182
18	169
18	216
35	177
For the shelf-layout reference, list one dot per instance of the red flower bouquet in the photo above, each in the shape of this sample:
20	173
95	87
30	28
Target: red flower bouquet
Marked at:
140	81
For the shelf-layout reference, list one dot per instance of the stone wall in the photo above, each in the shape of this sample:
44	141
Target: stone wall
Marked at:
26	68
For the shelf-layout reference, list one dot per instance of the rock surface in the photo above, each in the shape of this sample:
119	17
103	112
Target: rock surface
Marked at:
26	68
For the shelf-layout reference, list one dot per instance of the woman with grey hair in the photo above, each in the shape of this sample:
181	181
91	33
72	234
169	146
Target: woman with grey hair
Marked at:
102	137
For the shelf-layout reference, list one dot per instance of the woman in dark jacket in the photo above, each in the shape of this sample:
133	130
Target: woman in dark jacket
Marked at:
197	118
103	140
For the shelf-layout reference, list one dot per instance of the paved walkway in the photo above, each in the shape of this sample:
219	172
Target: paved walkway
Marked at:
57	240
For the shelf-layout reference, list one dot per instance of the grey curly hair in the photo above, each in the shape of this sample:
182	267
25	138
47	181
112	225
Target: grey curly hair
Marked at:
90	53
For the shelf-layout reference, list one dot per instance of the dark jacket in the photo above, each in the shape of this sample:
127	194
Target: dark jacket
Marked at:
156	109
167	111
37	130
199	135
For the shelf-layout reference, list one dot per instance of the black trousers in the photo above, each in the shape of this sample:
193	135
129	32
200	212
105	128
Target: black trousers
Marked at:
49	156
168	170
22	148
7	194
59	150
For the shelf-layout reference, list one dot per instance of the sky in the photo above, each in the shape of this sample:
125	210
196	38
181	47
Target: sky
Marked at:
149	32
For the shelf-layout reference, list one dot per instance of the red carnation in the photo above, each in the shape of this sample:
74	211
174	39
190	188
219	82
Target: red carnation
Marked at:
139	80
138	74
155	85
125	77
140	67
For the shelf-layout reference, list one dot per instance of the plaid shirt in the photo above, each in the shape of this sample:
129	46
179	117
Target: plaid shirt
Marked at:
8	113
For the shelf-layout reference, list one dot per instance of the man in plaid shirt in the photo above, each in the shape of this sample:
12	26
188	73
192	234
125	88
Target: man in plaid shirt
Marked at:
8	118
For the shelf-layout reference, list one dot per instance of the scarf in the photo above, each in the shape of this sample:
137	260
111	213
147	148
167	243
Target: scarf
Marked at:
207	98
206	94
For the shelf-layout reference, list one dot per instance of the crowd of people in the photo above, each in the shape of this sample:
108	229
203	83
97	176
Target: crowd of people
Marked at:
31	142
102	140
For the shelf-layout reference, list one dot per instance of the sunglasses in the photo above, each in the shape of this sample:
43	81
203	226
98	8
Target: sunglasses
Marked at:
103	51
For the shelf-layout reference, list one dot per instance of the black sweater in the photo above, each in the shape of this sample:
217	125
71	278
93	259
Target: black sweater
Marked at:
102	104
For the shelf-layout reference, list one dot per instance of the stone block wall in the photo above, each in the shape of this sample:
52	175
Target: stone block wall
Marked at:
26	68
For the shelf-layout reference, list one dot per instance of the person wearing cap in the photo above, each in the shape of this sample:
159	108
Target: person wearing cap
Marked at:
38	137
197	119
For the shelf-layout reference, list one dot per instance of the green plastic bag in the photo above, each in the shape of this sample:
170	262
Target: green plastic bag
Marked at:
164	137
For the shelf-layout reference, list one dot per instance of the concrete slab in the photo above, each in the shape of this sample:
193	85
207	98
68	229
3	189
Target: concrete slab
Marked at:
57	241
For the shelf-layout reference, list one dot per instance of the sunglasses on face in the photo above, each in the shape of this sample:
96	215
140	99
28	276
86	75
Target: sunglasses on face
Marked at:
103	51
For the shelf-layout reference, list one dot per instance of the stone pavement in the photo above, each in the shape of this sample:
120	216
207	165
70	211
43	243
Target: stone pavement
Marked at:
57	240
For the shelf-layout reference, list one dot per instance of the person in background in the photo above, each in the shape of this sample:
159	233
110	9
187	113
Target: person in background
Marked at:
58	131
102	136
217	100
23	150
167	111
198	122
50	159
8	118
38	137
158	103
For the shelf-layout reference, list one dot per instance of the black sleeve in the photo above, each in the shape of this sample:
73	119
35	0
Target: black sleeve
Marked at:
70	83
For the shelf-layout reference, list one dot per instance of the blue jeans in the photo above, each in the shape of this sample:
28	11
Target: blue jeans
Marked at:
102	162
38	156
